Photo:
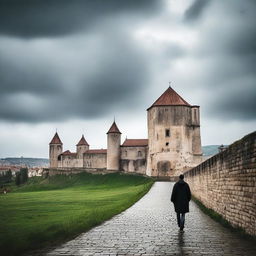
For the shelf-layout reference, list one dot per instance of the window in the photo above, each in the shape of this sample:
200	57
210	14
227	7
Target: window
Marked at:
167	132
167	144
125	153
139	153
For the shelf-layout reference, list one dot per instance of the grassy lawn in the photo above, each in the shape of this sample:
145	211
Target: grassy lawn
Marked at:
51	210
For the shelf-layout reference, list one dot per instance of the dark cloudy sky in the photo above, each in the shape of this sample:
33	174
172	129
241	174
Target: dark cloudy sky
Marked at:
74	65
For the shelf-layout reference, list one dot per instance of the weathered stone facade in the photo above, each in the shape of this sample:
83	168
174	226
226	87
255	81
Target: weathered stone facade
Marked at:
226	183
173	144
134	156
95	159
174	139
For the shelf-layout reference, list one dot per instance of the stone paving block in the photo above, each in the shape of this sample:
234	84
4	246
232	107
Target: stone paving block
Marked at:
149	228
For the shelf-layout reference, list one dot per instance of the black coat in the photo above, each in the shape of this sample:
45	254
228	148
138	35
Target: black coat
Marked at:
181	196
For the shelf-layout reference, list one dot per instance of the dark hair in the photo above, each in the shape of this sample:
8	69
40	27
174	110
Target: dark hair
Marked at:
181	176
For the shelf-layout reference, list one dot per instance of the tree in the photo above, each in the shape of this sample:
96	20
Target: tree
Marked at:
9	176
6	177
18	178
24	175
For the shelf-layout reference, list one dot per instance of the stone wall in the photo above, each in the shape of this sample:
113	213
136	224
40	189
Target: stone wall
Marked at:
70	161
95	160
68	171
226	183
133	159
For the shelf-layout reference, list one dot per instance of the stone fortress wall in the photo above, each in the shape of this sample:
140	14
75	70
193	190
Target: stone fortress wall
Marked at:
226	183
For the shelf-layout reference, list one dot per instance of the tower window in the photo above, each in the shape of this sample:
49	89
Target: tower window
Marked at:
167	132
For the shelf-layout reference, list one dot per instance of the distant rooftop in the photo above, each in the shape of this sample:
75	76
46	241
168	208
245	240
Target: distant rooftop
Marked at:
135	143
96	151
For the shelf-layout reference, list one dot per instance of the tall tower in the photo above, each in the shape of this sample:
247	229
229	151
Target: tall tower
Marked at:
173	135
81	147
113	150
55	149
196	135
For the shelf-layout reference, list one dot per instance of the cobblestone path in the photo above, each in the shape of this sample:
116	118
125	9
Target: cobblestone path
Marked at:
149	228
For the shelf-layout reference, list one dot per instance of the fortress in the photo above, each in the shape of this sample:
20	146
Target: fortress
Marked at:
173	145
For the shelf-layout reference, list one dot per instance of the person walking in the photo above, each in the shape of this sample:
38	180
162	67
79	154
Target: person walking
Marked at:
181	196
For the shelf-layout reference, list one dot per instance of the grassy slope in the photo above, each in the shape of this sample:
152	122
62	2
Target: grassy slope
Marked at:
61	207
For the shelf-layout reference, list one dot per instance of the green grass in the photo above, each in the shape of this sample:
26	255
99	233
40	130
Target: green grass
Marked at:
52	210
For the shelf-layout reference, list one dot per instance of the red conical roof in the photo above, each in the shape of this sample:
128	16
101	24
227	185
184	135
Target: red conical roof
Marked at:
170	98
113	128
56	139
82	142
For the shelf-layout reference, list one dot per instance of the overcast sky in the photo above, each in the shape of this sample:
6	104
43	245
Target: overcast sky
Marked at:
75	65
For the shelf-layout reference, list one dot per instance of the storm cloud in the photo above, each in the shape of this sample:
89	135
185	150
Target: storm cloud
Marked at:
88	60
51	18
196	10
56	77
226	50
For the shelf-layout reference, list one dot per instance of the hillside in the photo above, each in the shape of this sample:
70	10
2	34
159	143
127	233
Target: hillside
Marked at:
29	162
210	150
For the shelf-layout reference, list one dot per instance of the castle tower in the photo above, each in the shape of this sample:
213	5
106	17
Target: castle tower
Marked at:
55	149
173	135
113	150
81	147
196	135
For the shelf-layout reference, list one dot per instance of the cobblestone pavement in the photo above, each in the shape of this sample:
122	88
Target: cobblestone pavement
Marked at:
149	228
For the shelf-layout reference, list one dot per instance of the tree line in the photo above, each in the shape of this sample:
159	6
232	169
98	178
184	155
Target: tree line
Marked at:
21	177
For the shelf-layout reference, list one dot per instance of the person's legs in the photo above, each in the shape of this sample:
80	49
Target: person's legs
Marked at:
182	220
178	218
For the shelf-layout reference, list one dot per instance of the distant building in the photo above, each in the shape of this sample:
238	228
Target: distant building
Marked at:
173	144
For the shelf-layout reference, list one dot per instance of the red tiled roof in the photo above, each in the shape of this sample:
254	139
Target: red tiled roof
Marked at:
96	151
113	128
82	142
67	152
135	143
56	139
170	98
